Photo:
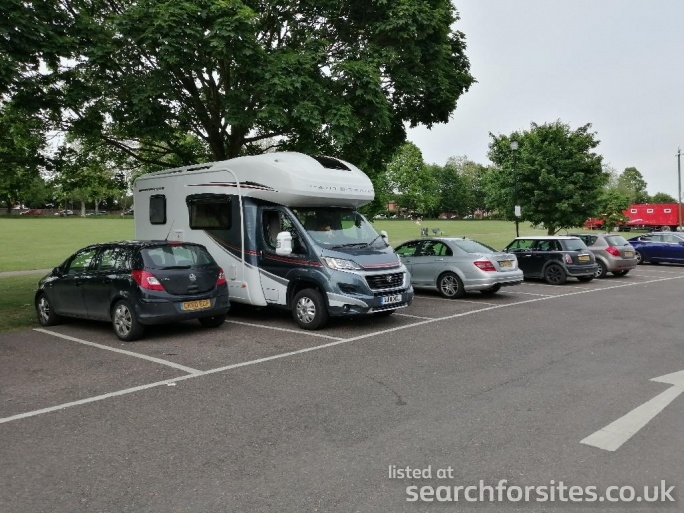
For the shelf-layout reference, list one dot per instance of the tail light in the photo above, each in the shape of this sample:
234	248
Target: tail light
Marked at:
146	280
221	277
485	265
568	258
613	251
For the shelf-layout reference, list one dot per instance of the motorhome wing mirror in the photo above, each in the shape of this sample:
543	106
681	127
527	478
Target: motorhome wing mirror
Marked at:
384	236
284	243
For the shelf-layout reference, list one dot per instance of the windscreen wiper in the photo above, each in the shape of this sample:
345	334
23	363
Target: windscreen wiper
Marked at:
369	244
350	245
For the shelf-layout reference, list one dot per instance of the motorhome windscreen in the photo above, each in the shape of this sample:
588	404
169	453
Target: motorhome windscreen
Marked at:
338	227
209	212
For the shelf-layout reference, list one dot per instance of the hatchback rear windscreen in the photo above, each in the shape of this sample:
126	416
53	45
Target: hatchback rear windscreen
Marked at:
616	240
181	255
574	245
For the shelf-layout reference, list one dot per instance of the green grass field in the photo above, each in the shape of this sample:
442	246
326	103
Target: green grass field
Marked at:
43	243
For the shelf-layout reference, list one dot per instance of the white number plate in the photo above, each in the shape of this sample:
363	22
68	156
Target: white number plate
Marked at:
387	300
629	254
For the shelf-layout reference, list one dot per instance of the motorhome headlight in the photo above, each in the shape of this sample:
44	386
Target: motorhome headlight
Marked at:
340	264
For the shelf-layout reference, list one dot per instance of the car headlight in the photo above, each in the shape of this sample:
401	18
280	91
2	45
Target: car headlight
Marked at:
340	264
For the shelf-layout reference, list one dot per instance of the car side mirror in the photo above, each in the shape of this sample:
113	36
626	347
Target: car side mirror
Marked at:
284	243
384	236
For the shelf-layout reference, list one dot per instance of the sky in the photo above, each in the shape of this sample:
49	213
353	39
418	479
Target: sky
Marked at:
617	64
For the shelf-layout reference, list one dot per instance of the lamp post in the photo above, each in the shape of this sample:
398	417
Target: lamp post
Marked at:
679	187
517	211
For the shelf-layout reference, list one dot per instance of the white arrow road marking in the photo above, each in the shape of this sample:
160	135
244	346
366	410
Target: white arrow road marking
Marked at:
614	435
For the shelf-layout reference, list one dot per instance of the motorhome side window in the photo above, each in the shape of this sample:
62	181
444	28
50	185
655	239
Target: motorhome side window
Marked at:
158	209
209	212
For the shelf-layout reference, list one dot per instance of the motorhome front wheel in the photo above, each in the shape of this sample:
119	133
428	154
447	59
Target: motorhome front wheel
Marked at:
309	310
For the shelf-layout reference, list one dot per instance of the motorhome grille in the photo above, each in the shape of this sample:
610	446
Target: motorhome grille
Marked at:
385	281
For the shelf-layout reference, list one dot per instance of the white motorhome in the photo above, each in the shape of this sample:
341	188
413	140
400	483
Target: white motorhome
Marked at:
285	229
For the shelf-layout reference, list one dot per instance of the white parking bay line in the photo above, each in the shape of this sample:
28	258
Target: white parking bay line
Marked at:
189	370
298	332
453	301
95	398
337	342
526	293
413	316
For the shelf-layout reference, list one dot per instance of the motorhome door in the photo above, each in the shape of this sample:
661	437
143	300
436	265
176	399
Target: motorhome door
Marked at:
274	268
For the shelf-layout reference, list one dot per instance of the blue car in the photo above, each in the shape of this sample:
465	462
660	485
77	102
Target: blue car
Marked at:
659	247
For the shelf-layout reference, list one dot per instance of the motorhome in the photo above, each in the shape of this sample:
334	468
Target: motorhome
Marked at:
285	229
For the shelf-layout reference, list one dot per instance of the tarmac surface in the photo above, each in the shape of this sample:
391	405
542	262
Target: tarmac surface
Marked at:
258	415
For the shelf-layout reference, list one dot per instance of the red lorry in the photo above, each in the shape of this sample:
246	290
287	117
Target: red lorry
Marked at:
656	216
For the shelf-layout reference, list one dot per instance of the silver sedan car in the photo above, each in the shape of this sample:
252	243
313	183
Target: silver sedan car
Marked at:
455	266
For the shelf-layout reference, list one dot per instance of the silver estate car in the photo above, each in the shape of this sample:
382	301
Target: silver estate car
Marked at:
455	266
614	254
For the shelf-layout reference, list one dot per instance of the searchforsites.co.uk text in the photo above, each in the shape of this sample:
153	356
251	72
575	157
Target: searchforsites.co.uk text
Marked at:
503	491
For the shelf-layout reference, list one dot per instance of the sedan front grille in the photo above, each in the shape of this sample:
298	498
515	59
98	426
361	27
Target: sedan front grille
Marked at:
385	281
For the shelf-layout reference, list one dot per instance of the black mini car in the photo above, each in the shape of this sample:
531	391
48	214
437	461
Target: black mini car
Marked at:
135	283
554	258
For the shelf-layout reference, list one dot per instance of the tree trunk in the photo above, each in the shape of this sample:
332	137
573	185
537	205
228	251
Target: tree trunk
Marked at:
82	208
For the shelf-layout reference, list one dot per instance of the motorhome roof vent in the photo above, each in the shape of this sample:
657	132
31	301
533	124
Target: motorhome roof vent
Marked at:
331	163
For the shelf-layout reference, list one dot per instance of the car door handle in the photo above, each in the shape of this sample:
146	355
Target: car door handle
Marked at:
440	260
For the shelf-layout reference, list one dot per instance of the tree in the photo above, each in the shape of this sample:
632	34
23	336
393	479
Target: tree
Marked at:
451	191
22	143
632	183
661	197
414	182
557	175
342	78
84	174
610	205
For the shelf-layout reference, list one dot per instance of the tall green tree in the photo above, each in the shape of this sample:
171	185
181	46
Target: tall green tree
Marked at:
22	145
661	197
84	174
556	175
632	183
321	76
450	188
414	182
611	204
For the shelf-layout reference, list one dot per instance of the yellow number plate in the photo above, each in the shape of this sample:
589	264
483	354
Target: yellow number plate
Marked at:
506	263
583	258
629	254
197	305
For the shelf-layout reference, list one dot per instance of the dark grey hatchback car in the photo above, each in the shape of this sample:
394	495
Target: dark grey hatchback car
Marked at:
133	284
